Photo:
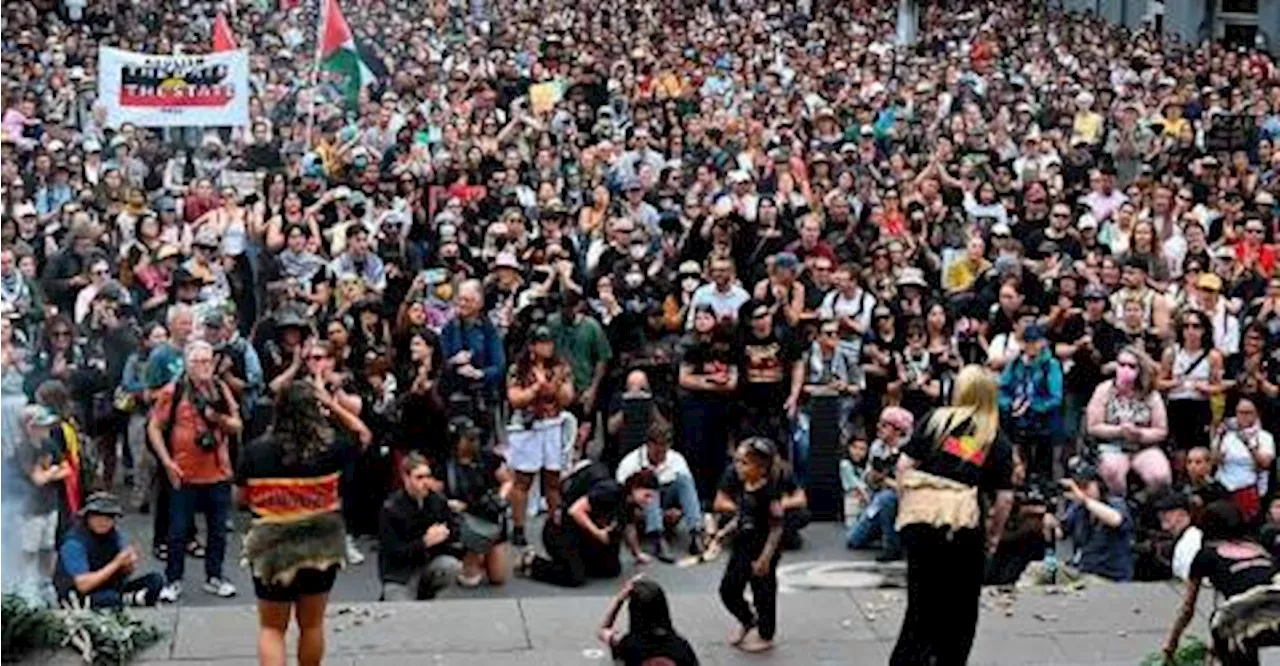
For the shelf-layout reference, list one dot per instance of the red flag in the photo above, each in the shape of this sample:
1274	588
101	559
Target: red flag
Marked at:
223	40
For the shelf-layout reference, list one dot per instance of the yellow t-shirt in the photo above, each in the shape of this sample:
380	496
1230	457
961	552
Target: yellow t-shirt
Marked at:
1087	125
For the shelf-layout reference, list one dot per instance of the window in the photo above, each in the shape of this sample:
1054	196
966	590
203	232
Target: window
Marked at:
1238	6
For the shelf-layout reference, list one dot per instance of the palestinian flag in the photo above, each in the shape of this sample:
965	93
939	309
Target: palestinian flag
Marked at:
339	53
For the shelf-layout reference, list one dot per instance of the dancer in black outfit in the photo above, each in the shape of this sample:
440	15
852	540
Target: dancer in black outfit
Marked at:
956	454
750	490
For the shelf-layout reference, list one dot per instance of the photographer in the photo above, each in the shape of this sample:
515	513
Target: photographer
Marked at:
192	421
1101	531
477	484
235	361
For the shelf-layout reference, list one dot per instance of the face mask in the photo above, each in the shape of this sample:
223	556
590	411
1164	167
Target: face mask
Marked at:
690	283
1125	376
638	251
634	280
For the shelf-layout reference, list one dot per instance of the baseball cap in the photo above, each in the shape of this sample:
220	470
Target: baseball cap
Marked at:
1095	292
1209	282
24	210
540	334
42	416
1033	333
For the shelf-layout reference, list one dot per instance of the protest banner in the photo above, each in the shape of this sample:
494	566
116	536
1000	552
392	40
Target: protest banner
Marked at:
174	90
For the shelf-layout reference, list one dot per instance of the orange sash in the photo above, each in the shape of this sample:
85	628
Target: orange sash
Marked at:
289	500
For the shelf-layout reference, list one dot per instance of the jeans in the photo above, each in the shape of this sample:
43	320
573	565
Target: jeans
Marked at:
877	520
682	493
214	501
113	597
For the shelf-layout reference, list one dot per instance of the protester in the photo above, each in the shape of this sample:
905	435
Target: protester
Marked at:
676	490
583	539
96	563
190	425
418	553
477	483
1127	417
509	158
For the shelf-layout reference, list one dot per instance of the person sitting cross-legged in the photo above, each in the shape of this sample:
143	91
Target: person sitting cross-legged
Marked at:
96	562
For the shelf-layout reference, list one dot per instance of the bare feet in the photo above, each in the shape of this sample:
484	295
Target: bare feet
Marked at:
754	643
738	634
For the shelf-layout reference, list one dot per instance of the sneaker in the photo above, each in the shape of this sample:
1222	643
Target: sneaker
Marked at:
220	587
170	593
889	556
518	539
137	599
354	556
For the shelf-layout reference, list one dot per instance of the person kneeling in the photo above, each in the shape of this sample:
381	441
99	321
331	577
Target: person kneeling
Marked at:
582	538
95	561
418	533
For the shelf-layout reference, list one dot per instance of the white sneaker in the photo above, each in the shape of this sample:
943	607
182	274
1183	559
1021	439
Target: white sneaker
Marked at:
170	593
354	556
220	587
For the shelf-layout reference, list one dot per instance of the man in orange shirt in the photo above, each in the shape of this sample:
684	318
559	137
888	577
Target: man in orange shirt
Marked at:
190	427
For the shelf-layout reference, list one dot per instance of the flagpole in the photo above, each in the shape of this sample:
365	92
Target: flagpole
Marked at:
315	72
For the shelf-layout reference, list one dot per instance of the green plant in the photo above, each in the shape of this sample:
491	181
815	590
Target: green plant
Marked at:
1191	652
28	628
101	638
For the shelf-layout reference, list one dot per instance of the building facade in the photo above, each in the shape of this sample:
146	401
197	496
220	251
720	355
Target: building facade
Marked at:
1245	22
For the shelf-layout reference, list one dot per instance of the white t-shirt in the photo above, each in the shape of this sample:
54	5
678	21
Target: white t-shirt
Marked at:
672	466
1185	550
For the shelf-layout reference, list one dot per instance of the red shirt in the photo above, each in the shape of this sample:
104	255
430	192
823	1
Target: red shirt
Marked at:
1264	254
198	465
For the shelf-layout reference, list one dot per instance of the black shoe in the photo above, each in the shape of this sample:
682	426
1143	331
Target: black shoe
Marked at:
518	539
889	556
695	544
659	550
792	541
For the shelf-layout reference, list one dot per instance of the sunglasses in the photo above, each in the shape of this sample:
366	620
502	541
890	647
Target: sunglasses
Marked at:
1192	324
830	332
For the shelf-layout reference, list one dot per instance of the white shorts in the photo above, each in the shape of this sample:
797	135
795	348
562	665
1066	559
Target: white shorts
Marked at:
537	447
39	533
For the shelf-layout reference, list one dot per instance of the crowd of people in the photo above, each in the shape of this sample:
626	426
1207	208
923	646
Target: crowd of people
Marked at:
602	260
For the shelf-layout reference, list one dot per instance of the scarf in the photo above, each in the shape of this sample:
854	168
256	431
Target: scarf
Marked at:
300	265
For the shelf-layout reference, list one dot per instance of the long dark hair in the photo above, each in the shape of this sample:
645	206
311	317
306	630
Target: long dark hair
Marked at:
302	431
650	614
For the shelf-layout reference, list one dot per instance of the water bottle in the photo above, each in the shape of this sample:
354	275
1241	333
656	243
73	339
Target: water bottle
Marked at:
1051	564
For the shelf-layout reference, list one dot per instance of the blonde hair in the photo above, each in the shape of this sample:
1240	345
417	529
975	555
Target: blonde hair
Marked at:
974	400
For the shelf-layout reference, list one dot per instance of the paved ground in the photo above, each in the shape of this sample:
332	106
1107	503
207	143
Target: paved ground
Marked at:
1112	626
534	625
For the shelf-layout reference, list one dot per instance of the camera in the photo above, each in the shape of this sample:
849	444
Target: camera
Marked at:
207	441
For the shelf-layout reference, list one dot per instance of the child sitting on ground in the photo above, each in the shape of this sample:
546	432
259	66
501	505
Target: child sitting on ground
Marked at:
852	470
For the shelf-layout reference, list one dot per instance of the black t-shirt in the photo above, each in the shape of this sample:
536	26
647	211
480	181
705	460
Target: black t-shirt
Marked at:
1087	369
1233	567
264	458
654	650
756	508
764	374
958	457
605	495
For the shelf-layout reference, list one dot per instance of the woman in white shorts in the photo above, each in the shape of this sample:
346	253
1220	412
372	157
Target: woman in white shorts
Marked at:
539	387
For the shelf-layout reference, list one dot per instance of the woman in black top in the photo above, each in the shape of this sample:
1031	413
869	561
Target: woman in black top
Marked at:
1243	572
758	513
477	484
708	379
653	638
957	452
289	478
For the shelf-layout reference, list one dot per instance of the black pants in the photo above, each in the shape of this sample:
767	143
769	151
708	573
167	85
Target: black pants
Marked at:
1037	450
764	591
116	593
704	439
944	579
573	556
